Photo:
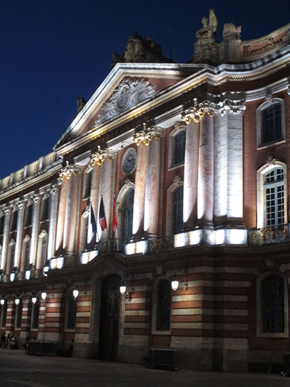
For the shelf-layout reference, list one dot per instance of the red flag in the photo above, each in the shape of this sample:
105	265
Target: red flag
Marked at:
115	219
102	216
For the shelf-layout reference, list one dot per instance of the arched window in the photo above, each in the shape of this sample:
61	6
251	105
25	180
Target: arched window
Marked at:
71	311
273	304
127	216
179	147
163	305
274	197
177	210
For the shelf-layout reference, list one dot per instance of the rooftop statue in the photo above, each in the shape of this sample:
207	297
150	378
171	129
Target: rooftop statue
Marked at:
80	103
231	32
139	50
205	47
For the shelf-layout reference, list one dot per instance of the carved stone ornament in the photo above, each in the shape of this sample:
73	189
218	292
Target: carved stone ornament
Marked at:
128	94
26	238
177	180
271	160
7	210
198	111
148	134
20	205
269	98
129	161
68	170
53	189
12	242
269	263
101	155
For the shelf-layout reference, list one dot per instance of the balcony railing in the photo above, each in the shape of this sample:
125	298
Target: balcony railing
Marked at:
274	234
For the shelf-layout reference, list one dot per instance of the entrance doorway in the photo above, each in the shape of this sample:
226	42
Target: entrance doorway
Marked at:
109	318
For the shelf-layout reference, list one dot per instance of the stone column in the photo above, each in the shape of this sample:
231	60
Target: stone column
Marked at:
65	175
206	171
190	174
19	237
152	188
97	160
35	229
71	214
6	236
52	220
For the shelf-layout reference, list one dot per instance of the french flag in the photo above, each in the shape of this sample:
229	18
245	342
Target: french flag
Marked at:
93	220
102	216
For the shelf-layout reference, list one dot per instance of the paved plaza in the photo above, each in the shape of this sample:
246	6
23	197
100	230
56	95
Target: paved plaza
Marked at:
18	369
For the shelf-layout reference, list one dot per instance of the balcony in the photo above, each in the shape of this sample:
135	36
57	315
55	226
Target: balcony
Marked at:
274	234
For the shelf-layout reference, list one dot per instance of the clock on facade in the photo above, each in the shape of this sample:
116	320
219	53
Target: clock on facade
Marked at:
129	161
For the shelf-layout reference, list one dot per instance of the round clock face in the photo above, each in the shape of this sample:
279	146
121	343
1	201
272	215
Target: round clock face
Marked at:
129	161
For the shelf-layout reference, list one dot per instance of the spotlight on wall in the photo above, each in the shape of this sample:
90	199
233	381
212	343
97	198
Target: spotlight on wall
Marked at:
34	300
43	295
2	301
174	283
45	269
17	301
128	293
75	293
123	288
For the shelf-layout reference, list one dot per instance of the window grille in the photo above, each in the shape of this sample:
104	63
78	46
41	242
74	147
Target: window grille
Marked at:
35	319
163	306
179	147
19	314
177	210
127	216
274	197
273	304
71	311
272	123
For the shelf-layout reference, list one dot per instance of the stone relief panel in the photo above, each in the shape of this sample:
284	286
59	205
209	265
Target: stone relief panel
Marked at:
128	94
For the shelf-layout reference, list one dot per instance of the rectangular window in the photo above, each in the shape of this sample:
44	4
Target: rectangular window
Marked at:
28	217
19	315
45	209
4	314
14	220
35	317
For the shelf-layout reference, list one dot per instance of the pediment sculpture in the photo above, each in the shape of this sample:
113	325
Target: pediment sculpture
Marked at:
128	94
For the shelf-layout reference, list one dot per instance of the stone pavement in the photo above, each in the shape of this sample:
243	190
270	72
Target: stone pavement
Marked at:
17	369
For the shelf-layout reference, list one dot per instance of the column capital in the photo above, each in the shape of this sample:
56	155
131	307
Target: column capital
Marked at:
53	189
20	204
148	134
232	106
198	110
35	198
7	210
68	170
101	155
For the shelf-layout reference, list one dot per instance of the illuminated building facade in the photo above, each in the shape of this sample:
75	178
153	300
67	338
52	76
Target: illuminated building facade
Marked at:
188	166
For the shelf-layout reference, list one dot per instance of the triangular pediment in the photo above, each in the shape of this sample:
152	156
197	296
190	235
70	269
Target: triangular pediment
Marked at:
126	87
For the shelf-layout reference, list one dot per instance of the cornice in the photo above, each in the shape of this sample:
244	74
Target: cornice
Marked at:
35	179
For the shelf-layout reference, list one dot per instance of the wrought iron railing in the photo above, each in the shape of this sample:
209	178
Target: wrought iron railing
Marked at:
274	234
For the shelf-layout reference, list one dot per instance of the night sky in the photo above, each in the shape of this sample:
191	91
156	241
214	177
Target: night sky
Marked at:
53	51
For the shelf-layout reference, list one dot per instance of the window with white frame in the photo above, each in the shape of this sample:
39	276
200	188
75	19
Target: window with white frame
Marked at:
272	195
270	121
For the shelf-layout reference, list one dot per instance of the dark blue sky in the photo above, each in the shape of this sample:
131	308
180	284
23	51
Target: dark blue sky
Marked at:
53	51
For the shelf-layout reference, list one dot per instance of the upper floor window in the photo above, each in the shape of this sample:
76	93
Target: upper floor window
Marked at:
274	197
270	121
87	184
28	216
177	210
45	209
177	142
127	216
14	220
2	219
179	147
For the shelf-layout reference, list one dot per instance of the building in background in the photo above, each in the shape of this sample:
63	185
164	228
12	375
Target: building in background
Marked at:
170	175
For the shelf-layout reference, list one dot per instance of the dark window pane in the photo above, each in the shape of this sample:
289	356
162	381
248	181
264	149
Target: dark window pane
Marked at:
273	304
71	312
163	305
272	123
179	147
177	210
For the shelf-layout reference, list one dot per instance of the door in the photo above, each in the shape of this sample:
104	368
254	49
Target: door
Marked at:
109	318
